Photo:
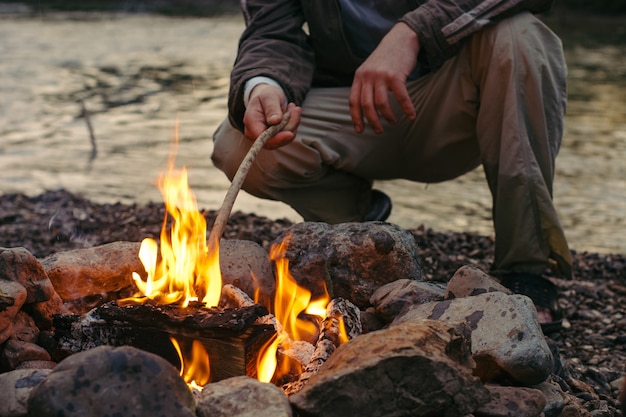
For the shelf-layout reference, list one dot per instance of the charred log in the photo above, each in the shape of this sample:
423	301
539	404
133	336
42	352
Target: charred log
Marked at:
231	337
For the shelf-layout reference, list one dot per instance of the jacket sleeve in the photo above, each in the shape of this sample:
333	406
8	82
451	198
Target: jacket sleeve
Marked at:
274	45
441	25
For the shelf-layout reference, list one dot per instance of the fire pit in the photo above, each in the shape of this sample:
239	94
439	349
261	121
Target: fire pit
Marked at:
355	256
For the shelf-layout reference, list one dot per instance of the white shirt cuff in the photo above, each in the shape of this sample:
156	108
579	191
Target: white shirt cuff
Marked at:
253	82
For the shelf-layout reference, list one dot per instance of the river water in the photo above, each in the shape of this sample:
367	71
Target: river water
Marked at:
140	76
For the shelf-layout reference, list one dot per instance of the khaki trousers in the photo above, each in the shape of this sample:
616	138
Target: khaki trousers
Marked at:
500	103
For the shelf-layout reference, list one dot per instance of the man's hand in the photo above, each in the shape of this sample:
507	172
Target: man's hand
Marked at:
266	108
385	70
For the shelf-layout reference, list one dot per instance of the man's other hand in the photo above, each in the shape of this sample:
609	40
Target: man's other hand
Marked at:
385	70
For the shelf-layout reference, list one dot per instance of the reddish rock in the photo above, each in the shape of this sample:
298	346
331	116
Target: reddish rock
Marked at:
513	402
24	328
93	271
470	280
12	298
43	312
19	265
15	352
419	368
88	277
398	296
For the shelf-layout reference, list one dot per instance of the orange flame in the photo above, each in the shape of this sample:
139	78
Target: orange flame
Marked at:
195	368
185	270
290	301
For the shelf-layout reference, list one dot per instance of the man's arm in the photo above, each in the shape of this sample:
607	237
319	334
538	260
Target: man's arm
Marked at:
275	46
441	24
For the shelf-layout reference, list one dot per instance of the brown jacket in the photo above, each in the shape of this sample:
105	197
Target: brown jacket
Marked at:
276	43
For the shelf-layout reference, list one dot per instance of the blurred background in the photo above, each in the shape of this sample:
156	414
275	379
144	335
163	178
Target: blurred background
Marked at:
92	94
213	7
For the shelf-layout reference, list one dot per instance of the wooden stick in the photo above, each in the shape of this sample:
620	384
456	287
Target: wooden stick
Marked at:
240	175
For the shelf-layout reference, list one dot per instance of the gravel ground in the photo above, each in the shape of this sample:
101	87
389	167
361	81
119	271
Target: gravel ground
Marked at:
591	346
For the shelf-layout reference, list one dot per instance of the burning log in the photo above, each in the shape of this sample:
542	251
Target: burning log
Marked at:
341	324
235	297
342	313
231	337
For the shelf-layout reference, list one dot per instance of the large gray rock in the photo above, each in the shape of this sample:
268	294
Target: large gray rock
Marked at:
19	265
122	381
242	397
12	298
246	265
418	368
351	259
16	387
506	335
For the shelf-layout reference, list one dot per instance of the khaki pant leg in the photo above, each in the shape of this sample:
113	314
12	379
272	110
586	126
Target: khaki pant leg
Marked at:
521	73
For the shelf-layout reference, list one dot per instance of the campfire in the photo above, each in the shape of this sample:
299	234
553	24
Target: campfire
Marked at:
271	339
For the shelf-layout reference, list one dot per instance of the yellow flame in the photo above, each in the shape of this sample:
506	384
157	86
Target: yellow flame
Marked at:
289	302
266	361
195	370
317	307
343	333
185	269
